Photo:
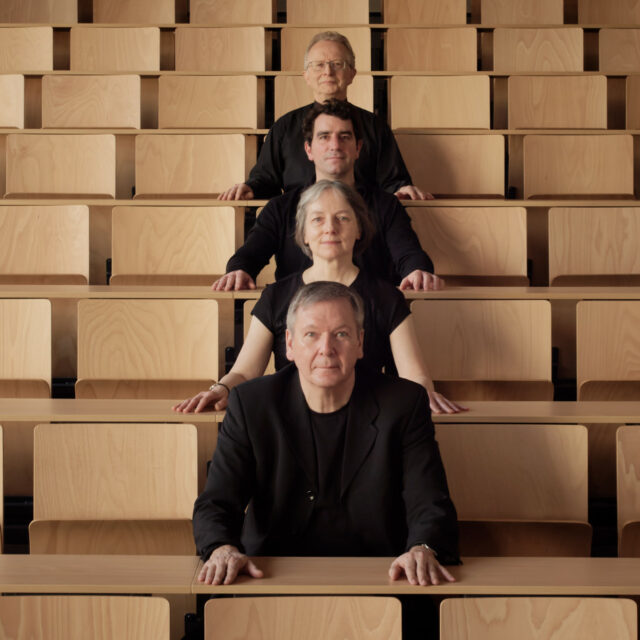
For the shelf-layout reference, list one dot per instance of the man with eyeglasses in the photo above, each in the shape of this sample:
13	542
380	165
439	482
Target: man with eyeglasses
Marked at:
329	64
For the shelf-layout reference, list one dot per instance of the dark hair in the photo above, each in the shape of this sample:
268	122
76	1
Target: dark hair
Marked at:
353	199
336	108
322	291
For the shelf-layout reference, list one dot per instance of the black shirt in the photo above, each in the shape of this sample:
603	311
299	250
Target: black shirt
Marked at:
384	309
283	163
393	253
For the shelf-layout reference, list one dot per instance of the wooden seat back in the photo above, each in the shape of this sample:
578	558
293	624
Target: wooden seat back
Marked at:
26	49
522	12
628	484
426	12
230	12
619	50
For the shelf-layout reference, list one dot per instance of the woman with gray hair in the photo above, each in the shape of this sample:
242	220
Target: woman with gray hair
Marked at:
332	226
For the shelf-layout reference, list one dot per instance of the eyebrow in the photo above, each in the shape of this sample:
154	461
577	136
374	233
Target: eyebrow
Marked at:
341	132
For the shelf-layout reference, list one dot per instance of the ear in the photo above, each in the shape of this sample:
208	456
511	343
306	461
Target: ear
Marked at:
358	147
307	148
360	349
288	339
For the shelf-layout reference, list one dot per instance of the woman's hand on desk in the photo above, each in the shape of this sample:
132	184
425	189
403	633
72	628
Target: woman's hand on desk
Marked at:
224	565
215	398
440	404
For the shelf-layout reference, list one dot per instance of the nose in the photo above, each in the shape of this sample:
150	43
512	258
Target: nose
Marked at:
334	141
329	224
325	345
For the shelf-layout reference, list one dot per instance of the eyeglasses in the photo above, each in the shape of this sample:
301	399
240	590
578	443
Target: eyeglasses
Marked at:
319	65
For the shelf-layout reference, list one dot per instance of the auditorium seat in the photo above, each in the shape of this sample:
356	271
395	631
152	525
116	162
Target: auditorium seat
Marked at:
294	42
535	618
308	617
628	483
147	348
452	50
557	102
115	49
97	101
595	246
203	102
546	50
577	166
474	245
26	49
460	165
72	617
329	12
440	102
12	101
114	489
608	349
35	11
512	12
618	12
487	349
619	51
291	92
173	245
425	12
134	11
191	165
228	12
50	165
225	49
519	490
633	102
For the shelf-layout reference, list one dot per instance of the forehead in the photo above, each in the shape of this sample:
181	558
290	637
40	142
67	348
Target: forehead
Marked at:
330	124
327	315
328	50
330	200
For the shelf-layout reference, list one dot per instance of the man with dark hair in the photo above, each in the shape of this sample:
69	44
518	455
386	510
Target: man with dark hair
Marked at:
332	144
321	459
329	68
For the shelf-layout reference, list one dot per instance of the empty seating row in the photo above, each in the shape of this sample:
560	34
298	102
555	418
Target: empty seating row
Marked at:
94	49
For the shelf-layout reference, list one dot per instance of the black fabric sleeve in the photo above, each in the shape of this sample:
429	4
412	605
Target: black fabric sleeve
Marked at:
392	172
265	179
218	513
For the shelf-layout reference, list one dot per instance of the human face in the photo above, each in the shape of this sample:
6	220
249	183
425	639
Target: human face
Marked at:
330	227
325	344
333	149
328	83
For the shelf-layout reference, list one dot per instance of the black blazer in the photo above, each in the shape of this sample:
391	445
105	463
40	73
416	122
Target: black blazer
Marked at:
393	484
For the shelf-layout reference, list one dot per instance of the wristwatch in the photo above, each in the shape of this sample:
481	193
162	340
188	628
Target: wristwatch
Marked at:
220	384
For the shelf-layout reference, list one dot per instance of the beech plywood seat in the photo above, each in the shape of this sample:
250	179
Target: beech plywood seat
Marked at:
147	348
203	102
617	12
294	42
173	245
424	12
440	102
557	102
292	92
608	350
136	12
522	12
490	618
519	490
619	50
335	12
115	49
70	617
34	11
48	165
456	165
188	165
308	617
537	49
26	49
229	12
596	246
76	101
487	349
633	102
578	166
628	484
214	49
12	101
451	50
474	245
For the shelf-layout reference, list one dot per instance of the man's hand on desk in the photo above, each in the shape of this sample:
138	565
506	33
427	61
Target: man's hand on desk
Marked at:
224	565
421	281
420	566
234	281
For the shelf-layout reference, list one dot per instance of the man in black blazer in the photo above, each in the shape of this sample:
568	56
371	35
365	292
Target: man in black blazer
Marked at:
330	459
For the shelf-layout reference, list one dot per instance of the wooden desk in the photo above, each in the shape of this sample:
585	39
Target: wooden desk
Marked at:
477	576
96	574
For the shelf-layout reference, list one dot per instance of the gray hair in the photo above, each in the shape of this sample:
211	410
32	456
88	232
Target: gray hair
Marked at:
352	198
323	291
332	36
